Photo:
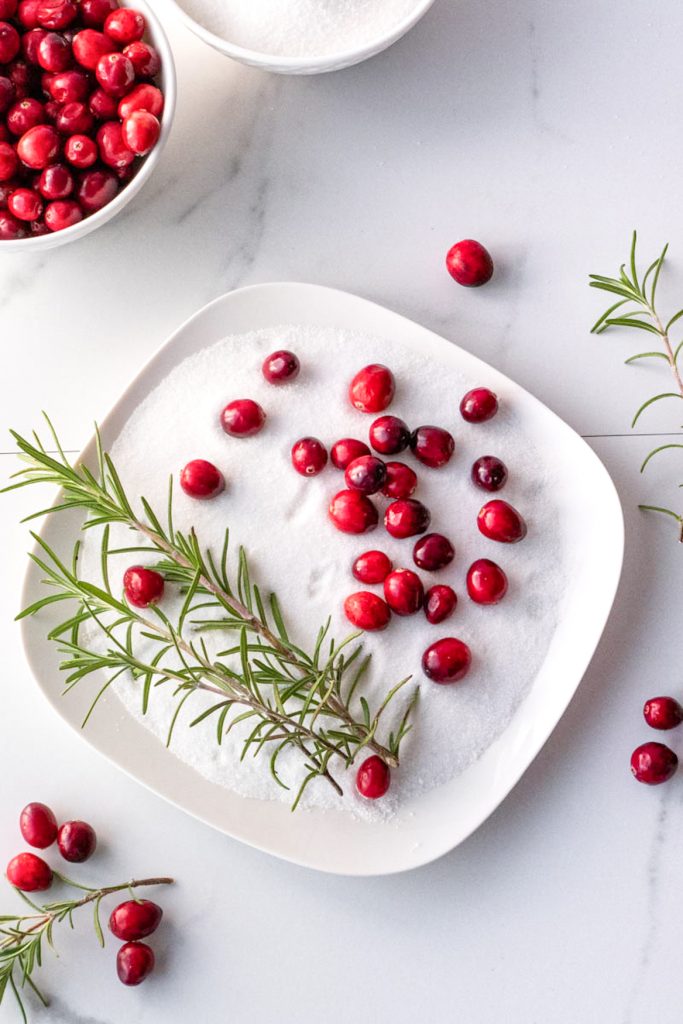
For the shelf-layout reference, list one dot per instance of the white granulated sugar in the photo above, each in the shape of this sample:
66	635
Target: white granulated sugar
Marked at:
294	550
299	28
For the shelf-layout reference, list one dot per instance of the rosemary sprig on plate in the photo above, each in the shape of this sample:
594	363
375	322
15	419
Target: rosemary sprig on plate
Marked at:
636	309
290	698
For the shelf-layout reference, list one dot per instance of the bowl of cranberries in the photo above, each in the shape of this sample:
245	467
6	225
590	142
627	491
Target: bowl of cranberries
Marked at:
87	93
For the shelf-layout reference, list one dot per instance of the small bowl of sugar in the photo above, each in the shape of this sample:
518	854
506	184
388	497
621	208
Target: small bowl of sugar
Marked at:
301	37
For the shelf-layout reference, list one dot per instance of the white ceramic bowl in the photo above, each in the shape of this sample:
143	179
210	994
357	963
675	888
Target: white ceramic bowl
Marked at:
167	79
307	65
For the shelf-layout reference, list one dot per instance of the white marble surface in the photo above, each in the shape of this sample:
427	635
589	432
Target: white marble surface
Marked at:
548	130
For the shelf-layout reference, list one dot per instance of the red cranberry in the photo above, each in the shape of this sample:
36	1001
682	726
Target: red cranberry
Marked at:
56	14
345	451
7	93
54	52
353	512
102	106
52	111
27	12
125	25
22	77
372	567
81	151
439	603
134	962
201	479
10	227
76	841
447	660
39	146
30	43
433	551
39	227
9	42
372	389
663	712
89	46
389	435
406	518
94	12
242	418
25	204
56	182
433	446
29	873
142	97
135	919
469	263
96	189
70	86
366	474
367	611
141	132
63	213
486	582
115	73
403	591
8	161
38	825
653	763
479	405
499	521
281	367
113	150
489	473
309	456
74	119
144	59
401	481
142	587
8	8
373	778
24	115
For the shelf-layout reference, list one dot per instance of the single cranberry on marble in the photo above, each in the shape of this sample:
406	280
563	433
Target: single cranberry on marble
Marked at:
309	456
367	611
486	582
372	567
242	418
501	522
135	919
134	962
281	367
346	450
353	512
653	763
38	825
406	517
389	435
201	479
142	587
29	873
447	660
403	591
479	405
77	841
489	473
401	481
433	552
432	446
663	712
366	474
439	603
373	778
372	389
469	263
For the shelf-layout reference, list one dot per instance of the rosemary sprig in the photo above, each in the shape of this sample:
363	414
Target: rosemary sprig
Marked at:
636	309
290	698
24	936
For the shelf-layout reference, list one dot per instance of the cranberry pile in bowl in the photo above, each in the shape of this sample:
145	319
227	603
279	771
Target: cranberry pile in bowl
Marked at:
87	94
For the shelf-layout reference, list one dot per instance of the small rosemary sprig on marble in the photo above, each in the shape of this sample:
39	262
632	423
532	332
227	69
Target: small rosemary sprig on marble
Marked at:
23	937
291	698
637	310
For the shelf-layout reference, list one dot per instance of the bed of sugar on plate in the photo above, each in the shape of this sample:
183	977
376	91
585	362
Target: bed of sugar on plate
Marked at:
294	550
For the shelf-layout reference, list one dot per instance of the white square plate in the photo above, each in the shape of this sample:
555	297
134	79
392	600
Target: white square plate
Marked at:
434	822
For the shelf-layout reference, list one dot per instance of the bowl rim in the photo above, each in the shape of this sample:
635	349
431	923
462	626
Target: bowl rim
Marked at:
159	40
339	59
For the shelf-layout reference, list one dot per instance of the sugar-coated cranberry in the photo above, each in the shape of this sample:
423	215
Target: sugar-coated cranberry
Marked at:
353	512
94	13
76	840
30	43
142	97
63	213
345	451
8	8
489	473
373	778
89	46
56	14
142	587
242	418
81	151
439	603
389	435
280	367
372	567
367	611
9	162
102	106
663	712
372	389
115	73
447	660
25	204
144	58
478	405
401	481
29	873
469	263
201	479
11	228
486	582
24	115
27	13
96	188
70	86
653	763
366	474
125	25
499	521
309	456
135	919
141	132
9	42
39	146
403	591
406	518
134	962
54	52
433	446
7	93
433	551
56	182
74	119
38	825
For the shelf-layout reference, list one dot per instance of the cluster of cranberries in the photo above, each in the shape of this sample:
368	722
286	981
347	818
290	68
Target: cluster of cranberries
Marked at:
653	763
78	109
129	921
